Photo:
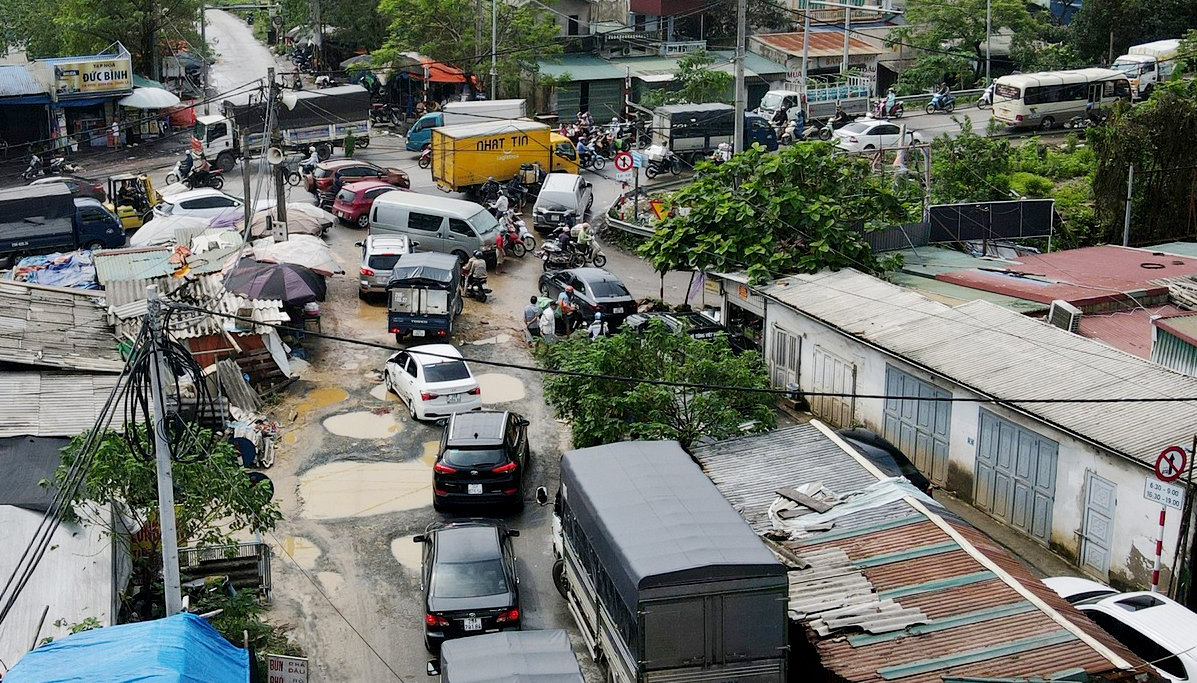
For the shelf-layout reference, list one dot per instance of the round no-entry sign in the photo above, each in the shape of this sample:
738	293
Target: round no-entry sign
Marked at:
1171	463
623	161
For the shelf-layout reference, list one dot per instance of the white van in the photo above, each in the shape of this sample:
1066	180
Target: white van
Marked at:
451	226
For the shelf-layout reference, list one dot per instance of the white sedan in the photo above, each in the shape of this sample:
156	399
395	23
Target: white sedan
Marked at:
433	380
867	135
202	203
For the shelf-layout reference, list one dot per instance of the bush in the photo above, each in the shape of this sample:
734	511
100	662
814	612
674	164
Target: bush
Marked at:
1078	221
1030	185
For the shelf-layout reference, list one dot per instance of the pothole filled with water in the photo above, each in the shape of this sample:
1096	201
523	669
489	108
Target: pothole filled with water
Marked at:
360	489
499	388
363	424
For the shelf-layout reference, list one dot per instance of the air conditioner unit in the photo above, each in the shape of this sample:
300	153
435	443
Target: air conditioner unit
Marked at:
1064	316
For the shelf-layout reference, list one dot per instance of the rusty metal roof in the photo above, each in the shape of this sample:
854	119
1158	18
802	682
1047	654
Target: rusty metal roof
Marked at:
1128	331
127	305
822	44
924	604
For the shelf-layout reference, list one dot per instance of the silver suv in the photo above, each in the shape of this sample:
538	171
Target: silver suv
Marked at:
379	255
561	194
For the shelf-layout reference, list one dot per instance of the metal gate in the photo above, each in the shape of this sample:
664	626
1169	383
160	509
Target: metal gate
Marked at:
1097	530
918	426
1016	476
785	358
836	376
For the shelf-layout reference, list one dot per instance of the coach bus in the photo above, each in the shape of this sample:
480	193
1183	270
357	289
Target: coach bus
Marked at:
1052	97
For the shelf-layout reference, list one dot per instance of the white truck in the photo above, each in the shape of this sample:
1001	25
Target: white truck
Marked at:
1148	64
820	97
310	118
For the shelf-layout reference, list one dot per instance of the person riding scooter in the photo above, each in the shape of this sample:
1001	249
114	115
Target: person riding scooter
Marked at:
200	172
309	164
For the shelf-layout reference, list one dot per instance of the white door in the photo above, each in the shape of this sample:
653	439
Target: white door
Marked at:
833	375
1098	530
785	353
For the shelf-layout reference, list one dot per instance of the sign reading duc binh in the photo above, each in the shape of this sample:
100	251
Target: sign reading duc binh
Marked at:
93	76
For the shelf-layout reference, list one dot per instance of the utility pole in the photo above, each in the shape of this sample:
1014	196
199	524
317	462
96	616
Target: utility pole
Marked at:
171	584
847	32
1130	185
204	40
494	51
280	185
805	45
318	36
741	91
245	166
988	23
477	40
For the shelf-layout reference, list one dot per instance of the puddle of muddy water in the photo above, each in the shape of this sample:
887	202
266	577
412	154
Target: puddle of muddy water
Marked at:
407	552
363	424
499	388
360	489
428	455
301	550
380	392
320	398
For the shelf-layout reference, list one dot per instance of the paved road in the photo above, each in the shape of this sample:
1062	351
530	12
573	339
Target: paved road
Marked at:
240	59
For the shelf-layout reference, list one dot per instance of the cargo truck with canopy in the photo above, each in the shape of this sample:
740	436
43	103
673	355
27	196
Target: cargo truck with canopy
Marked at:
424	295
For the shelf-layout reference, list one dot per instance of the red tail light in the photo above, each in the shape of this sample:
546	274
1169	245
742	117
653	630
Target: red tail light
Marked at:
508	617
432	620
852	138
443	469
367	272
426	396
504	469
474	392
1018	117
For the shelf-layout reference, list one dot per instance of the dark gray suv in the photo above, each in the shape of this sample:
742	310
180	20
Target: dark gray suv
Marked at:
481	461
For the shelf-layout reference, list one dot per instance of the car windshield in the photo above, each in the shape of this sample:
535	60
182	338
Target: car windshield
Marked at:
481	457
469	579
555	201
483	223
321	172
607	289
383	261
771	100
446	372
855	127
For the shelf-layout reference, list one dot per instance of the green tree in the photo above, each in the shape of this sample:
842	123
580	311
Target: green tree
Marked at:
802	209
86	26
443	30
969	167
1104	29
605	410
960	25
1165	184
695	83
1186	58
719	22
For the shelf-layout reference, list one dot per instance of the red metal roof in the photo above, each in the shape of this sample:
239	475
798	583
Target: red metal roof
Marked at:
1128	331
822	44
1082	277
1182	325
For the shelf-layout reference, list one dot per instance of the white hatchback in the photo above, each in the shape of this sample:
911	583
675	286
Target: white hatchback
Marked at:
433	380
202	203
867	135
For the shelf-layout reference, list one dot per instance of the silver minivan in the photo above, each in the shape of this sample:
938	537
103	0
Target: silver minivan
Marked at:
561	194
450	226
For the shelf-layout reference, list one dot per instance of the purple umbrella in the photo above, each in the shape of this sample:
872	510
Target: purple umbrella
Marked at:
290	283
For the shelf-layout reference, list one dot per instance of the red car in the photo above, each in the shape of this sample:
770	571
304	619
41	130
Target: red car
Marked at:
353	202
330	175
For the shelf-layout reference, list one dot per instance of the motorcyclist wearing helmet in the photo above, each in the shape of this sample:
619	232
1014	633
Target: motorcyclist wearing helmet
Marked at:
475	270
891	101
309	164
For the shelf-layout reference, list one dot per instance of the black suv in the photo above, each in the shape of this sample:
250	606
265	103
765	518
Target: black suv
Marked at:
482	459
693	323
470	581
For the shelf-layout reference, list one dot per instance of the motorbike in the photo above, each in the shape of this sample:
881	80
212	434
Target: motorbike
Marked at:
489	191
593	255
213	179
985	101
519	193
515	225
556	258
592	160
940	102
476	288
35	169
897	112
384	113
816	130
661	160
1089	121
425	157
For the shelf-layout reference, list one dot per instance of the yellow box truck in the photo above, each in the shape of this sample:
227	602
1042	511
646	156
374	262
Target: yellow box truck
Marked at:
465	156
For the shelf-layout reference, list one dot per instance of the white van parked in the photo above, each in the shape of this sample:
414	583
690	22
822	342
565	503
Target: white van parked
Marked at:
450	226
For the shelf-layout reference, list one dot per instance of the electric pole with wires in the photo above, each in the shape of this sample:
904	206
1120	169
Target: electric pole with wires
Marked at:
171	583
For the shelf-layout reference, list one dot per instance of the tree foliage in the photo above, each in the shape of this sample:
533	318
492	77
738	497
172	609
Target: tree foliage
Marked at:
969	167
694	83
1165	185
1104	29
607	410
933	24
799	210
444	30
719	22
214	499
1186	57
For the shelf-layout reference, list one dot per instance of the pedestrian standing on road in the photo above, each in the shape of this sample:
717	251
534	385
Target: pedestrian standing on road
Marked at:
350	143
500	251
569	308
531	320
548	323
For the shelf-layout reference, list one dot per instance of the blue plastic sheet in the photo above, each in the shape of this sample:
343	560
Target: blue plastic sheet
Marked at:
179	649
73	269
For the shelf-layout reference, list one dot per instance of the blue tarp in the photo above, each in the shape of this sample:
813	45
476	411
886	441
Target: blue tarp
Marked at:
73	269
179	649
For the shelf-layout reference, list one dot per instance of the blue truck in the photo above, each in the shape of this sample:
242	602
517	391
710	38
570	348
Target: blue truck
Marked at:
41	219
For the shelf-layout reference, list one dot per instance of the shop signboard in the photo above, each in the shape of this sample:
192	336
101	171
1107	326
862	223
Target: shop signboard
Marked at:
92	76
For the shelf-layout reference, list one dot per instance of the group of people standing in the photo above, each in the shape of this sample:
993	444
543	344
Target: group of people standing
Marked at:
559	317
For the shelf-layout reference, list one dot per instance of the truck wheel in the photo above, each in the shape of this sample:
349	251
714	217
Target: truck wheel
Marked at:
226	161
462	257
559	579
1047	123
363	142
93	245
323	151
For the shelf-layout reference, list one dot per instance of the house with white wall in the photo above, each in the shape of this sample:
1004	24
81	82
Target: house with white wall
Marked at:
983	401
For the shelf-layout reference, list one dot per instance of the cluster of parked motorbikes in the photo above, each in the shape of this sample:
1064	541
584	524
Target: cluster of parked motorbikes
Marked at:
57	166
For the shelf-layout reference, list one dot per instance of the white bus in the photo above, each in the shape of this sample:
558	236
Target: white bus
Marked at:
1051	97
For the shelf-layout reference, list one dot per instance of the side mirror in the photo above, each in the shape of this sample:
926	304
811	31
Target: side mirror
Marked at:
442	422
523	422
414	244
359	244
419	538
512	533
433	668
542	496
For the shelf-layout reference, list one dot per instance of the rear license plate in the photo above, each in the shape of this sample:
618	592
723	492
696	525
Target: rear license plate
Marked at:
473	624
417	333
617	309
474	489
454	398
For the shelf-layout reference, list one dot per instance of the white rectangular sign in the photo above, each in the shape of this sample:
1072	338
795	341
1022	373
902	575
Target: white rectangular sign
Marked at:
1168	495
624	176
283	669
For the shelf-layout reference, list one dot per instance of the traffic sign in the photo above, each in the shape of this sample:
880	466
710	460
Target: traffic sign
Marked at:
623	162
1171	463
625	176
1168	495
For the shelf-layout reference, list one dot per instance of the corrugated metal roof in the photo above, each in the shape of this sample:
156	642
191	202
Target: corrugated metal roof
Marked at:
973	622
127	303
54	403
580	67
1128	331
147	263
1183	325
16	81
1036	360
822	44
954	295
55	327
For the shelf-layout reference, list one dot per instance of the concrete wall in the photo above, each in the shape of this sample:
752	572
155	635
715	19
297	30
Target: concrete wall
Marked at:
1135	519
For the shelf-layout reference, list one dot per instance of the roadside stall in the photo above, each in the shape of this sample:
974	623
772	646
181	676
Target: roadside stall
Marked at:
424	295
